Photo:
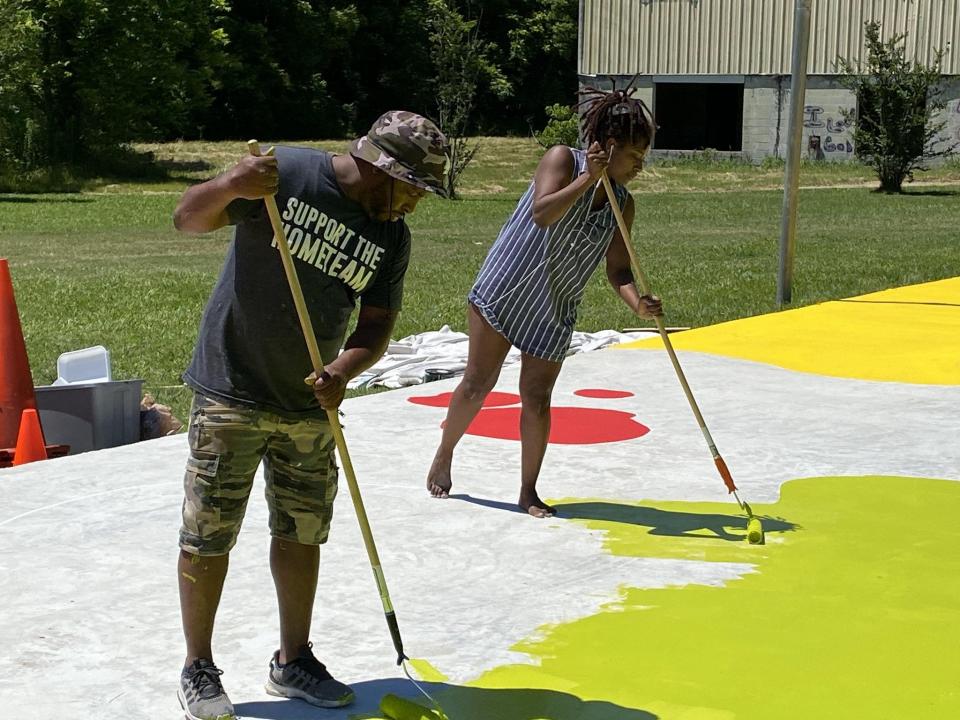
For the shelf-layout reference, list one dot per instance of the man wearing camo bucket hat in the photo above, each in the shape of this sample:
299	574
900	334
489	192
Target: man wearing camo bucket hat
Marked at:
403	145
344	222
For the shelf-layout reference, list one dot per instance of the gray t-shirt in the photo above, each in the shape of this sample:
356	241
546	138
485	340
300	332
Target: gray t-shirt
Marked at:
251	349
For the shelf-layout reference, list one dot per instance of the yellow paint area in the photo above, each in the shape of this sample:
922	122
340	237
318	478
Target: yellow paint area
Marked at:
909	334
426	671
849	611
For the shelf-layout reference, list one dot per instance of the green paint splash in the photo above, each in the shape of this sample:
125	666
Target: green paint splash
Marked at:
852	611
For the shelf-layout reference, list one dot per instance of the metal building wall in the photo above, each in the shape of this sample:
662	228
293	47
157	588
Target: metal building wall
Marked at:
752	37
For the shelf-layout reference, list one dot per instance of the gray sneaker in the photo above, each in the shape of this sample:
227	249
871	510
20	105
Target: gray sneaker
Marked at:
201	693
307	678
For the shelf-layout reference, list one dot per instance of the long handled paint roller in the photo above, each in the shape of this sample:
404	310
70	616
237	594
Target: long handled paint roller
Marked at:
293	281
754	526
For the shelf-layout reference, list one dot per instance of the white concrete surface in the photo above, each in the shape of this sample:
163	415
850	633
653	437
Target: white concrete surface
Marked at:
90	626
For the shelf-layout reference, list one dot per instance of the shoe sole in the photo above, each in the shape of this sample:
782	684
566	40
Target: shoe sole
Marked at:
288	692
188	715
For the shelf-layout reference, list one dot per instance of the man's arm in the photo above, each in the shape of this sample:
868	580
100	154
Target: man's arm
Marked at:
203	207
621	276
363	348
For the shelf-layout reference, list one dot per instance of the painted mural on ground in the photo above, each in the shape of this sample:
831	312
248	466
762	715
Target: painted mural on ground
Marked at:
850	612
848	338
499	418
850	608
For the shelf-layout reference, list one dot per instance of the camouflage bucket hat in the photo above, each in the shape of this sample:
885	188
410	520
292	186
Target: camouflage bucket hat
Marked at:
408	147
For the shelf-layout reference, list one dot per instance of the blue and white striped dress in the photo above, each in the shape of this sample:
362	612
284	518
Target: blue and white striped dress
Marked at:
533	278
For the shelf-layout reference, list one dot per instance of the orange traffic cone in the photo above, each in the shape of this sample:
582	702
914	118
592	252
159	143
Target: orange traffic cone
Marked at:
30	445
16	383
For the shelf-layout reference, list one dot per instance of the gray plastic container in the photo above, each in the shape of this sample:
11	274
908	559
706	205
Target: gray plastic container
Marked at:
90	416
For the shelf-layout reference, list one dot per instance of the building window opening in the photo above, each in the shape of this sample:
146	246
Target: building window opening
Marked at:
697	116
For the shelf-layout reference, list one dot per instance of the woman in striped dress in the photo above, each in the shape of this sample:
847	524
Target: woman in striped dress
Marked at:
531	283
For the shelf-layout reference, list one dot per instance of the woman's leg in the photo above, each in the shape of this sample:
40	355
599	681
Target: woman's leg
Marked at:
487	350
537	378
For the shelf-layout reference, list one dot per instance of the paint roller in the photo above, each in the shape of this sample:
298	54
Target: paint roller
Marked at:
398	708
754	526
336	429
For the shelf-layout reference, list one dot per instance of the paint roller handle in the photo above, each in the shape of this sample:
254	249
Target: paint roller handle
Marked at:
641	279
317	361
395	634
638	273
724	472
754	529
301	305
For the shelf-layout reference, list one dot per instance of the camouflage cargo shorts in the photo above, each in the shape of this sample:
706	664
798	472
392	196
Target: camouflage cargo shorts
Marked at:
227	444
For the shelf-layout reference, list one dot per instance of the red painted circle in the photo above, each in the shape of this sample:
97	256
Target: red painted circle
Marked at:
568	425
494	399
599	393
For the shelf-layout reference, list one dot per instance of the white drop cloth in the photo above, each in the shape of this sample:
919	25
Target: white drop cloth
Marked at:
407	360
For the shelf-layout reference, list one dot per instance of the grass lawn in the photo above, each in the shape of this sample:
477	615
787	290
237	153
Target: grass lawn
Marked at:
105	266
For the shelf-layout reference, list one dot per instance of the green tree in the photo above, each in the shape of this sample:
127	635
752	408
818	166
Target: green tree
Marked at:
563	128
894	127
287	72
542	34
89	75
390	62
78	78
19	109
461	60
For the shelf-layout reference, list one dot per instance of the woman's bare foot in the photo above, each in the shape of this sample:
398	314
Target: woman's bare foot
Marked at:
531	503
439	481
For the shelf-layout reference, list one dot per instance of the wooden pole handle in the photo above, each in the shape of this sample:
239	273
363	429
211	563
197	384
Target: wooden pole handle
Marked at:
290	271
341	442
661	328
625	234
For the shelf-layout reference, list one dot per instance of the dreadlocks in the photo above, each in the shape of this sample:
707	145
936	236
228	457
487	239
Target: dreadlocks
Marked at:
615	114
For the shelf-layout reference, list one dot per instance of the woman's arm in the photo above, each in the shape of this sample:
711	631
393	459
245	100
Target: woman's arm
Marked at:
555	191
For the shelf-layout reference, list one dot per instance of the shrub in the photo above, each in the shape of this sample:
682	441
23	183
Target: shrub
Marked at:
894	130
563	127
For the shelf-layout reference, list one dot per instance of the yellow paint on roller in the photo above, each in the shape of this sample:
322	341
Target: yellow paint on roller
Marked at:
909	334
398	708
851	605
754	531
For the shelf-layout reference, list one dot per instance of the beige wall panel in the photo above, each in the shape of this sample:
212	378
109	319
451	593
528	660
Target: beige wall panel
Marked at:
752	37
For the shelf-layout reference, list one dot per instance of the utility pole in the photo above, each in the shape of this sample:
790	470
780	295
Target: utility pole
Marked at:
791	178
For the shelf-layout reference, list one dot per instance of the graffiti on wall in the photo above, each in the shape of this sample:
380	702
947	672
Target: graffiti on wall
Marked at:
827	137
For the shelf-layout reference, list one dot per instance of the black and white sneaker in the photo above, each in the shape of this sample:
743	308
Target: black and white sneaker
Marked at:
307	678
201	693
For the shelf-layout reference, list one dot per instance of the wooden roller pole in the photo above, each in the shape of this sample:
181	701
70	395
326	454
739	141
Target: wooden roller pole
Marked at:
661	328
302	313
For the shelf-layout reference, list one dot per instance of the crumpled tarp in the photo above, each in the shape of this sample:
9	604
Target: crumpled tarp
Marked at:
443	353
